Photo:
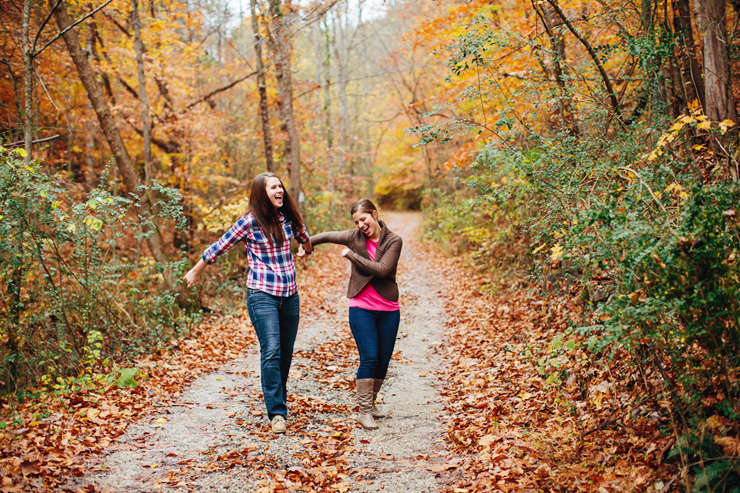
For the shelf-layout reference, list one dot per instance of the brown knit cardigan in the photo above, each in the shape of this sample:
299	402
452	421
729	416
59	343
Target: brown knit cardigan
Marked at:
381	272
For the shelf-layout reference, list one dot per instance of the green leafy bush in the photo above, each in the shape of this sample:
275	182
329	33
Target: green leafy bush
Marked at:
78	288
637	208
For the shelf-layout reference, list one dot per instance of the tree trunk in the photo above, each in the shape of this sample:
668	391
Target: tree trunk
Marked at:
89	170
110	128
282	51
146	127
341	55
28	82
554	70
94	37
719	104
326	84
692	78
262	89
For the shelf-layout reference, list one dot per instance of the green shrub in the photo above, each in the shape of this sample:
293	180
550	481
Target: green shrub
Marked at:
78	287
637	208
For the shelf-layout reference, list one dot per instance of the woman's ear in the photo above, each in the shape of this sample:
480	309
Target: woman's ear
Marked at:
375	215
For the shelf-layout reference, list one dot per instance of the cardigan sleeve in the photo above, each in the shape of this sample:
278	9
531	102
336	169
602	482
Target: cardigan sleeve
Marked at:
337	237
384	266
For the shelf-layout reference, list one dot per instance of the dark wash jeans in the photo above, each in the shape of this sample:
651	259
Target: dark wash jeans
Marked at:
375	335
275	320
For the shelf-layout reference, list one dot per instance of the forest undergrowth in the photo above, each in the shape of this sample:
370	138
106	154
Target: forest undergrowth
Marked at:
530	408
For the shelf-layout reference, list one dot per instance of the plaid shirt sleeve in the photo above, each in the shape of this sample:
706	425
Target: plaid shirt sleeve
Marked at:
237	233
302	236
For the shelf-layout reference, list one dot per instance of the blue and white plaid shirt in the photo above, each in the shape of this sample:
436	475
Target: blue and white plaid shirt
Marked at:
271	267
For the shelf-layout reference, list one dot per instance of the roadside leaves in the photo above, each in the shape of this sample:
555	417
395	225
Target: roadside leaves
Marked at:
529	408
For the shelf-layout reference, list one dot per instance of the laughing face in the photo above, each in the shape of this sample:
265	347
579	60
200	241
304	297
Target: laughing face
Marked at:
367	222
275	191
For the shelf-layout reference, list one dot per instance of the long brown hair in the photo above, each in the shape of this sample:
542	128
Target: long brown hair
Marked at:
266	215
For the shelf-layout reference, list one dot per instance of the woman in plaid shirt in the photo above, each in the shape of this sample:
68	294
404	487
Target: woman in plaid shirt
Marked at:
272	294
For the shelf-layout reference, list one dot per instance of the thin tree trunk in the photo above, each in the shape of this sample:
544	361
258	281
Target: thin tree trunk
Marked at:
262	88
341	55
146	127
89	171
554	70
94	37
693	81
28	82
711	17
282	50
110	128
326	84
611	94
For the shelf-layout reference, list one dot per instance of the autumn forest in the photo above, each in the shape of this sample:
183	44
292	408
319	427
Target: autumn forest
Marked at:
565	177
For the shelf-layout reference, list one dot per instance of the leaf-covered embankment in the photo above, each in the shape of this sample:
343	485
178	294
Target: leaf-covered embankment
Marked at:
531	408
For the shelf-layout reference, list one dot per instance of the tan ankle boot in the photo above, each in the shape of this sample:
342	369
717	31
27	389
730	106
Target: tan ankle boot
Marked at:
377	383
365	401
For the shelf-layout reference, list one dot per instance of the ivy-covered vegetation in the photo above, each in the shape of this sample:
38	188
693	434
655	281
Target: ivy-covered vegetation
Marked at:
630	205
74	296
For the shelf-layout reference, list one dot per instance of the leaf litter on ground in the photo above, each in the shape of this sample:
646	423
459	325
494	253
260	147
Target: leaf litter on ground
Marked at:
528	407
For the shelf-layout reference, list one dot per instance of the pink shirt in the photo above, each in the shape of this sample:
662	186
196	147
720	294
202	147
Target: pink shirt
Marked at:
368	298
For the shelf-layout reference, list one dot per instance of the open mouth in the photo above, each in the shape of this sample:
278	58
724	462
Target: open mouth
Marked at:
365	229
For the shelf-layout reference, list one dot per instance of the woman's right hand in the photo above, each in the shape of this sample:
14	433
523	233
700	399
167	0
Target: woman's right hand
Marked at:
193	275
301	251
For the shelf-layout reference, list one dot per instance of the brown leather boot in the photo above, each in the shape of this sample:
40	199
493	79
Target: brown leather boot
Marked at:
377	383
365	401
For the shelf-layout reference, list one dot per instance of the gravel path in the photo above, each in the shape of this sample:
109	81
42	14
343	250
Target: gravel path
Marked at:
216	438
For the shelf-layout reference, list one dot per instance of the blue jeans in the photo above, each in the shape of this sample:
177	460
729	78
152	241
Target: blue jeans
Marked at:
275	320
375	335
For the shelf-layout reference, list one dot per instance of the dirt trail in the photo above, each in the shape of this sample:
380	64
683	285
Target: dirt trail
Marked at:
216	438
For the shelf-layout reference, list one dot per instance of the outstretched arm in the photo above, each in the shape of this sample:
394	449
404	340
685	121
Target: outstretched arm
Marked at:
384	266
193	275
234	235
336	237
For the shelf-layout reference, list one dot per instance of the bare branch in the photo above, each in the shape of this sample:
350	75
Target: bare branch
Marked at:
221	89
23	142
43	25
34	55
594	57
117	24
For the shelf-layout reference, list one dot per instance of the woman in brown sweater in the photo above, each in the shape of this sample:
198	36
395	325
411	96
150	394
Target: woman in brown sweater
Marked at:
373	251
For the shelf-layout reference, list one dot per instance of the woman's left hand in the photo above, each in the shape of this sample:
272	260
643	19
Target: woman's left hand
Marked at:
345	252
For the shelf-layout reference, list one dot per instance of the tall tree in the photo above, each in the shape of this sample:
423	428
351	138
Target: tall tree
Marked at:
711	18
693	83
145	124
94	91
341	54
280	43
28	80
262	88
552	65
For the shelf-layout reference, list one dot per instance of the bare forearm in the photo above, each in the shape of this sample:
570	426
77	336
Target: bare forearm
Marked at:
193	275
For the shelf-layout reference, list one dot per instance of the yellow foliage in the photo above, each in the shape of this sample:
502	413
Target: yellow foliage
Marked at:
221	217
